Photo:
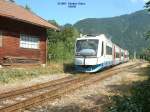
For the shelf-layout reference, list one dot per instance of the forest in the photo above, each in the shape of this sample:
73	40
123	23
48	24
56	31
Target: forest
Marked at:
129	31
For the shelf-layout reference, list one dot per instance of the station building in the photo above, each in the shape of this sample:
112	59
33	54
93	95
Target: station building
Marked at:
23	38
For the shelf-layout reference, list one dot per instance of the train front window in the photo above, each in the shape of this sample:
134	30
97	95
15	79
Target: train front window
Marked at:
88	44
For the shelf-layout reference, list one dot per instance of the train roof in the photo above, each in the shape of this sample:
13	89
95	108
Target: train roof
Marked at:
101	36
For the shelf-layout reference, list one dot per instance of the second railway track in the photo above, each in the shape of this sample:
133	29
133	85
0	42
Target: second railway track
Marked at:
30	96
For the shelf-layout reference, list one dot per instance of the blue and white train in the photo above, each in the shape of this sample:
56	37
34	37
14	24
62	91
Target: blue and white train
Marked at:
93	53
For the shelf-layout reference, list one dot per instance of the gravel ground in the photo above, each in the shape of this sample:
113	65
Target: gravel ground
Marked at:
94	97
29	82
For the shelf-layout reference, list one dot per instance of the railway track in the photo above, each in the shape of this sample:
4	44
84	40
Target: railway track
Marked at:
37	94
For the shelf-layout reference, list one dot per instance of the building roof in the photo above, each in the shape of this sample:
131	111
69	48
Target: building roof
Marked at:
14	11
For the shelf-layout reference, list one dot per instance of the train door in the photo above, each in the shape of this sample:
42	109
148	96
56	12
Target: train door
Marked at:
120	56
114	55
102	49
124	57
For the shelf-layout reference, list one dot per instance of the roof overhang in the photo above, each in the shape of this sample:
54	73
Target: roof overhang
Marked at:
19	13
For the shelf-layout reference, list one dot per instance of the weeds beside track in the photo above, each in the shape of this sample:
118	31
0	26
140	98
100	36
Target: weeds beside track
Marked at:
27	97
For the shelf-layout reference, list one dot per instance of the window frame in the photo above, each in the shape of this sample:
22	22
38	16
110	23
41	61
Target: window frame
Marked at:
109	50
86	41
117	55
28	41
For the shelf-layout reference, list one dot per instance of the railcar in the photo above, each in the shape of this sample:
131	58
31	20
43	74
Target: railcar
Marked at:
93	53
122	55
126	56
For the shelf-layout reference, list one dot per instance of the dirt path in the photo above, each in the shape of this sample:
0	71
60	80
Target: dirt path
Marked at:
94	97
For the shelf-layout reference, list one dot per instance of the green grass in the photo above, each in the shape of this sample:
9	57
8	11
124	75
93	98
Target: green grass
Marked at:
8	75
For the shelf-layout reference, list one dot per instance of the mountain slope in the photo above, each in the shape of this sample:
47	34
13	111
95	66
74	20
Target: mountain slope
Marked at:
126	30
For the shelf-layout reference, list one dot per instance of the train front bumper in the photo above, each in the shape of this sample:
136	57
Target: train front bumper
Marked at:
86	61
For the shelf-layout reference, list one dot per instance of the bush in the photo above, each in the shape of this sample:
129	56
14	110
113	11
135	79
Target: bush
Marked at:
11	75
61	44
137	101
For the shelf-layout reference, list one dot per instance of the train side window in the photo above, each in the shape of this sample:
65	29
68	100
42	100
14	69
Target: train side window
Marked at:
102	52
117	55
1	39
108	50
122	54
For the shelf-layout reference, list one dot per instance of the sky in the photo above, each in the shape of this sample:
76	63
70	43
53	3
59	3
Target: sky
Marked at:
62	13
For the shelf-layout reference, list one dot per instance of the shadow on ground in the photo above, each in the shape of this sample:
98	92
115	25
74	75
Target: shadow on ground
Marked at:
73	108
69	108
132	97
69	68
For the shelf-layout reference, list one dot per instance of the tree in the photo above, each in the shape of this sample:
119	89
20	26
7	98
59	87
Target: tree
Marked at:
67	25
27	7
147	5
146	52
13	1
61	43
147	35
53	22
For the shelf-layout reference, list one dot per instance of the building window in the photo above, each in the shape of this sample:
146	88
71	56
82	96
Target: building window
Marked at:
28	41
1	39
108	50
